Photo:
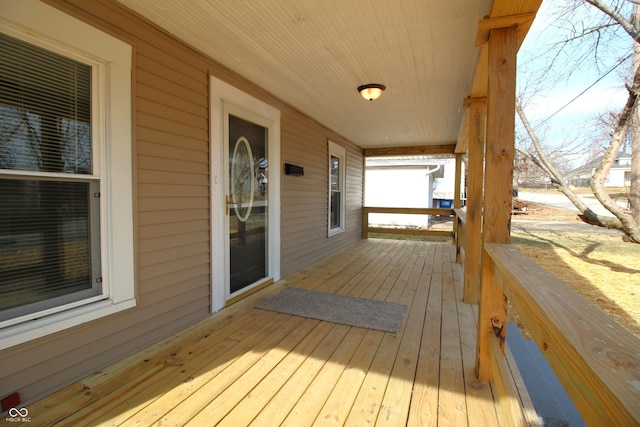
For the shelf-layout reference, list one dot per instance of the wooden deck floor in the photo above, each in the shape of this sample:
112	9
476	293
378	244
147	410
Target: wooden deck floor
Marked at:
245	366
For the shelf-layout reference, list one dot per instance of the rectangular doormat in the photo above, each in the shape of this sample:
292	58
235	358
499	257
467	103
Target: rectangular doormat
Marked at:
344	309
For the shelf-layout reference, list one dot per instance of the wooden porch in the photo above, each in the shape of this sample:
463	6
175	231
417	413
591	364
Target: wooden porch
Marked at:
245	366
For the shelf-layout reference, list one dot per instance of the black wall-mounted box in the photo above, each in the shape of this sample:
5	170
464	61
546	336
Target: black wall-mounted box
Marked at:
295	170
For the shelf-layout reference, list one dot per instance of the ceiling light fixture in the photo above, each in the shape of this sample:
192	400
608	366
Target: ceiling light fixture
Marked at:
371	91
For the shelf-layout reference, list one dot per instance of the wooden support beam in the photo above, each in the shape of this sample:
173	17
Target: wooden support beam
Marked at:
411	211
457	203
486	25
478	91
510	411
365	223
463	136
366	229
476	111
410	151
460	234
492	321
411	231
500	143
499	156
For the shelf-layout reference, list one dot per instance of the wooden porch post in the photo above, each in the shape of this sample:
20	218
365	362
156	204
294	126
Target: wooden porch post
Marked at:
456	198
457	190
500	149
477	110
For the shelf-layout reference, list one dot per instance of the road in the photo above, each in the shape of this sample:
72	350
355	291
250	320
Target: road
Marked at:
558	200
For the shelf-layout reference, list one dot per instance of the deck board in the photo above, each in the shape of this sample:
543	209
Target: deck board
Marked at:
452	406
245	366
338	406
394	408
424	405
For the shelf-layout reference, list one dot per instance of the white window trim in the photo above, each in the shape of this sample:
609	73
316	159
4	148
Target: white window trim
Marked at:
340	152
36	21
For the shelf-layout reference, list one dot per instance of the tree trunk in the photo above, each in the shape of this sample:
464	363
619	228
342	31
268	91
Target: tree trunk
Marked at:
634	185
587	215
629	224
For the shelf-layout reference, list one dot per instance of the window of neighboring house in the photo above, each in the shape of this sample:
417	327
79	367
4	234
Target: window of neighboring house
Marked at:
337	193
66	243
608	179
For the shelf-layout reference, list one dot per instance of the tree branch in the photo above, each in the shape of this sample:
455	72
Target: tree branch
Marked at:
630	225
617	16
560	184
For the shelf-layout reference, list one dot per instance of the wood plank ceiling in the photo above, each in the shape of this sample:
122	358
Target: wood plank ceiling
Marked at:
313	55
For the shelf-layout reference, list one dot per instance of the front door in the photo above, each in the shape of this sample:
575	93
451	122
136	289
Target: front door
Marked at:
248	204
245	193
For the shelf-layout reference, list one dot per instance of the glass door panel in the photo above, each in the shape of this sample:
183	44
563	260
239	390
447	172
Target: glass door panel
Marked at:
247	202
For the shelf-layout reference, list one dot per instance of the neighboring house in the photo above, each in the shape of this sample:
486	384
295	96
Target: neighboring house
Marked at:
444	184
137	173
410	182
619	175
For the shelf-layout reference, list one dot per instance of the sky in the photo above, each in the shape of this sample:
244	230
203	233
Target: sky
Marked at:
553	112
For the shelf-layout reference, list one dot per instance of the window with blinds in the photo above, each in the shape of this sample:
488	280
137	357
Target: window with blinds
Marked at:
49	190
336	193
337	185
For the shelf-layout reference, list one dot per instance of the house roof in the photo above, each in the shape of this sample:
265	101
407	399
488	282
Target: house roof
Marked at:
590	166
314	54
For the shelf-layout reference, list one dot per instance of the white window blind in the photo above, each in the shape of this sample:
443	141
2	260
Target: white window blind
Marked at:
49	196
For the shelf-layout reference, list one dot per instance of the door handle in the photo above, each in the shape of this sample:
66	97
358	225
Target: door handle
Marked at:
226	203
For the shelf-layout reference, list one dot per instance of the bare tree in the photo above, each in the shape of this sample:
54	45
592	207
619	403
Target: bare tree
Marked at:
630	225
628	120
558	181
634	178
615	12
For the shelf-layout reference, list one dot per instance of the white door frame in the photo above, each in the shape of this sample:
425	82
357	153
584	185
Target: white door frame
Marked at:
224	100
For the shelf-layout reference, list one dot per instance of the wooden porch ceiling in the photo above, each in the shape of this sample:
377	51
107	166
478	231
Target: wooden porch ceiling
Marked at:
246	366
313	55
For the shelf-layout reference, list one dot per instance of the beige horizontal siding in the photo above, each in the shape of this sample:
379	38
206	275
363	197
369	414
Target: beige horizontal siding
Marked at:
168	255
180	84
170	126
305	199
155	84
166	216
172	218
166	203
172	186
171	146
171	165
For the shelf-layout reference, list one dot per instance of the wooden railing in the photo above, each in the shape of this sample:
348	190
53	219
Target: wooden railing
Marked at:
460	232
596	360
366	228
